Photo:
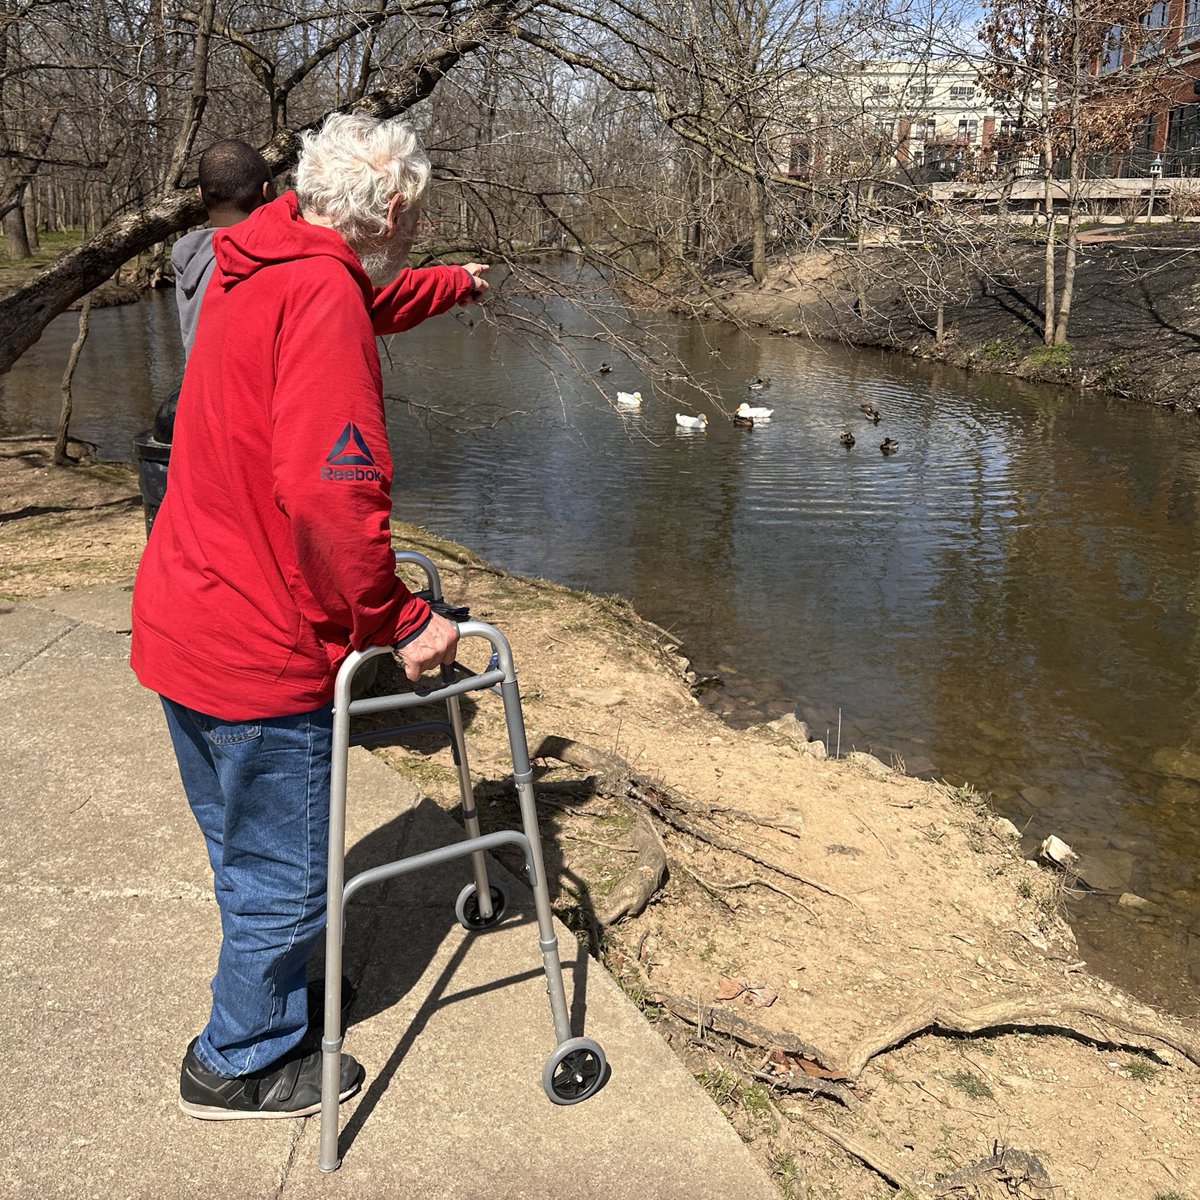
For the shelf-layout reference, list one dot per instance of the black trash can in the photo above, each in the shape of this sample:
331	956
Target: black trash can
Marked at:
151	457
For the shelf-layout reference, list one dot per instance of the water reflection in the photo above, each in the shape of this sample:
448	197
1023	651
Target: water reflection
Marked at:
131	359
1009	600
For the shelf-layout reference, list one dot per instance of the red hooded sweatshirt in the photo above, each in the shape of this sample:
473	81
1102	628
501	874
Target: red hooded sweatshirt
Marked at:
271	555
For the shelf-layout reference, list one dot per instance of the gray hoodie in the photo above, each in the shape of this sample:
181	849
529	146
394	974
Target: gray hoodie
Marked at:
192	258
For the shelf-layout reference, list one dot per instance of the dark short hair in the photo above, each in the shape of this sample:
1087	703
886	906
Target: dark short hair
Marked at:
232	175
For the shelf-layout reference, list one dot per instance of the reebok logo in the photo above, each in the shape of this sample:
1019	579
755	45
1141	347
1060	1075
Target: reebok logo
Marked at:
350	451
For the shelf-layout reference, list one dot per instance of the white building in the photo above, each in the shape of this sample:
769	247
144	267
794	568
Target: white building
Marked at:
932	116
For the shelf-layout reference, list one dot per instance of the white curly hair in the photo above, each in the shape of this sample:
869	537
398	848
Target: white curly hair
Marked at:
351	167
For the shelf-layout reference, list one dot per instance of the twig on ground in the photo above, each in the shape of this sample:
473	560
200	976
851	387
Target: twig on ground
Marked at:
886	848
880	1163
578	837
709	885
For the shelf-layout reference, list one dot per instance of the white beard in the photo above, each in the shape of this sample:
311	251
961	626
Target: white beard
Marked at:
383	258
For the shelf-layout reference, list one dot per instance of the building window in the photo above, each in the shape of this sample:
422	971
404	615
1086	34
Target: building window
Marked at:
922	129
962	93
968	131
924	92
1183	131
1110	54
881	89
1143	133
1191	21
1153	24
800	157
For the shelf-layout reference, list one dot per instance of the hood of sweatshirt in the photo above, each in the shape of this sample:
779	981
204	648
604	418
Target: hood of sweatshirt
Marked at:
192	258
277	233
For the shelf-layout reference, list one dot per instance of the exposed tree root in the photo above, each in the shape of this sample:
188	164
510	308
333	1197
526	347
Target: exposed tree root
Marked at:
639	884
809	1086
788	827
1090	1020
1064	1015
713	888
706	1017
615	778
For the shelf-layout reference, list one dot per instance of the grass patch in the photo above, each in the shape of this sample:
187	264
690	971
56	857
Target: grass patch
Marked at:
424	772
785	1172
1058	357
722	1085
1000	350
53	242
1141	1069
969	1082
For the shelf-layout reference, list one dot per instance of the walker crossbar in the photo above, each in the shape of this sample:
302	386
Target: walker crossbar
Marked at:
443	854
577	1068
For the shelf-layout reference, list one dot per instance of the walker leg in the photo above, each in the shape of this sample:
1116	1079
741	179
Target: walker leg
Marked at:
483	891
523	778
331	1041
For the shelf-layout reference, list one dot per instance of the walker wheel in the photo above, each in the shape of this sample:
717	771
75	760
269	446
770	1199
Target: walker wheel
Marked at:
466	907
574	1071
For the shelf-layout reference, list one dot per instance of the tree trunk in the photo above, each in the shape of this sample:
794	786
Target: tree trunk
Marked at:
14	229
1048	189
61	457
758	231
31	222
1073	184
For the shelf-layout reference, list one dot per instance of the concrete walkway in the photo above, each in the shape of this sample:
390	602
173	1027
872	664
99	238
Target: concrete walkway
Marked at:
109	934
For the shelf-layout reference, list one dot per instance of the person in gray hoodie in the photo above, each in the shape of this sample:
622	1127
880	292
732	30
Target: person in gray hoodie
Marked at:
234	181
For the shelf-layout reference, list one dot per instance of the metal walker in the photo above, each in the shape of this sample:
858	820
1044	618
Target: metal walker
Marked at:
577	1067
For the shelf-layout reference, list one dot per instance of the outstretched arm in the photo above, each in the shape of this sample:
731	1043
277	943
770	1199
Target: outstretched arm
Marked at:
422	292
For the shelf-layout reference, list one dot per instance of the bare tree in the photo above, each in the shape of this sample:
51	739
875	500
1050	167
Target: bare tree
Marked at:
1051	55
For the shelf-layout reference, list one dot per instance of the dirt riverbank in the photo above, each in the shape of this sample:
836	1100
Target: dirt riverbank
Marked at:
861	968
1134	330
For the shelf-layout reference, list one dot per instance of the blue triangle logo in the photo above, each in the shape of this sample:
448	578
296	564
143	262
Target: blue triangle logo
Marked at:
350	450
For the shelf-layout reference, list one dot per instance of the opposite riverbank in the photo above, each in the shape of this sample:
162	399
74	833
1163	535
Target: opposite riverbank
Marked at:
861	968
1135	320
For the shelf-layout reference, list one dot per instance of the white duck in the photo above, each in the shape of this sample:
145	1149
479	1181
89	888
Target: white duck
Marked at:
755	413
629	399
686	422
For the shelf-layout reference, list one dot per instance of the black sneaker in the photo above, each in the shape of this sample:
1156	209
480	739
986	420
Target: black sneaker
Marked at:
289	1088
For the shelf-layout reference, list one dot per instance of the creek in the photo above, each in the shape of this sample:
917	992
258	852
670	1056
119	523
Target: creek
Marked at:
1009	601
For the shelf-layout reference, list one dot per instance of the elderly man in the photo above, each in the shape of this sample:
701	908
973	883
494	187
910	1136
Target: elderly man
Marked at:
270	560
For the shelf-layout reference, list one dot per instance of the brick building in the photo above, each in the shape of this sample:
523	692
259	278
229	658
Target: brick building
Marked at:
1167	138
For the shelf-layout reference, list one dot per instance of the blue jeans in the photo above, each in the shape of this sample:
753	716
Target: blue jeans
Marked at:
259	791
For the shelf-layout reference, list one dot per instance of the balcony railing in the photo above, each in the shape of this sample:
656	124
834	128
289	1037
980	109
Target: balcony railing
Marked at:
1136	164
